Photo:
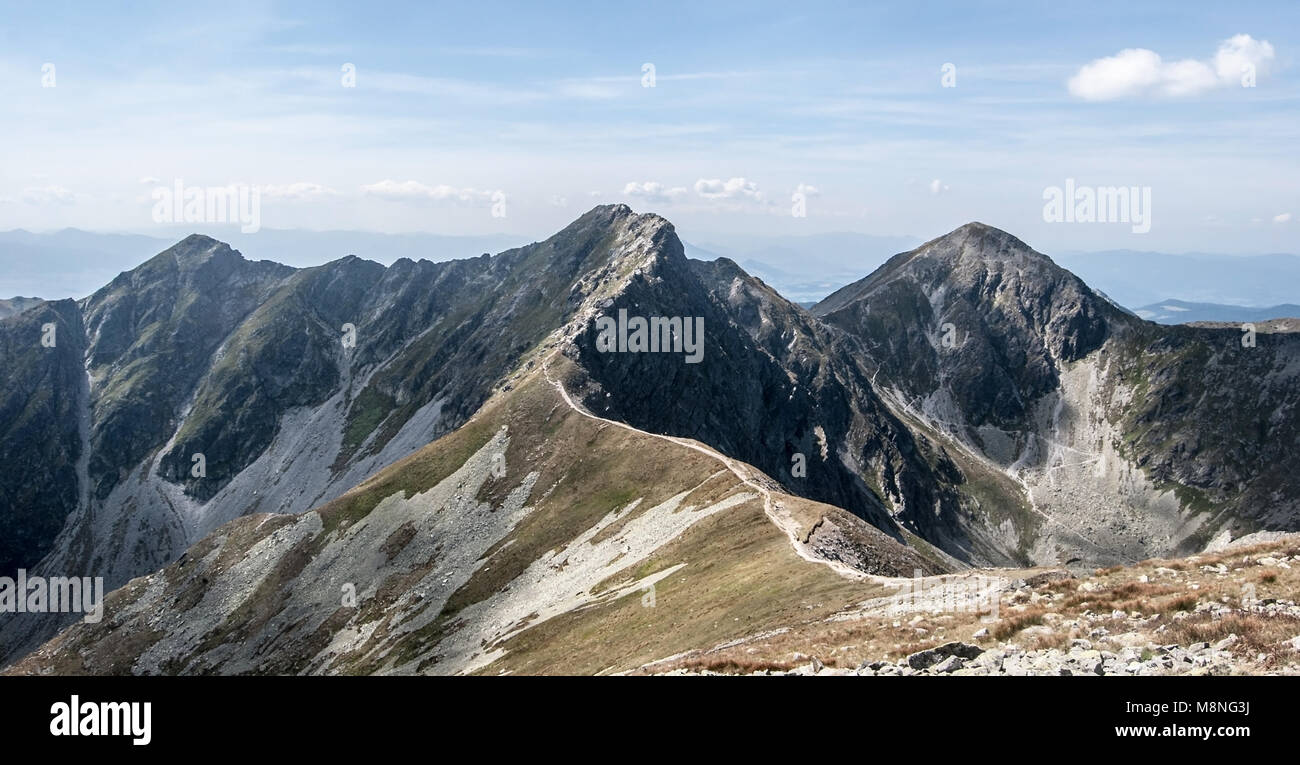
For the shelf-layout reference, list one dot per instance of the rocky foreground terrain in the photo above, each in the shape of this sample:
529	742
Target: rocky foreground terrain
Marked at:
1226	613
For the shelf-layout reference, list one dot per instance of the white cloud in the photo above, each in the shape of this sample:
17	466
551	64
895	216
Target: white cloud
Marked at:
149	180
1283	218
654	192
44	195
406	191
937	187
734	188
807	191
1239	52
1138	72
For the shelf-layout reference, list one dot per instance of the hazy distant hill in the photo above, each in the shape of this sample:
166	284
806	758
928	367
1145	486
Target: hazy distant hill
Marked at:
804	268
1183	312
1135	278
13	305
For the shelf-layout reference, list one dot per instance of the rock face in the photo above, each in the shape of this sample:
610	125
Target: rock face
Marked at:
42	398
976	313
774	388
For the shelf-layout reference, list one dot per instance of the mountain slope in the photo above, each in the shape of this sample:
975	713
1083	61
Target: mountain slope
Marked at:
220	387
1102	417
610	255
537	538
42	396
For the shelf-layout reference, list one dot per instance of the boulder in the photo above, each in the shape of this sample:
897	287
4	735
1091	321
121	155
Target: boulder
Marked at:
932	656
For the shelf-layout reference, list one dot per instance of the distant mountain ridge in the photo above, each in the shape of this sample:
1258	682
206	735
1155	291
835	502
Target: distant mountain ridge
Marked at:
803	268
73	263
1135	278
1182	312
11	306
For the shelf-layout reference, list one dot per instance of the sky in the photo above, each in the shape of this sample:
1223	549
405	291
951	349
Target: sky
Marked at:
898	119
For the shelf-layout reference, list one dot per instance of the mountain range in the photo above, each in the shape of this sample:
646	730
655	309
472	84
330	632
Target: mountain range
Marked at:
1183	312
443	468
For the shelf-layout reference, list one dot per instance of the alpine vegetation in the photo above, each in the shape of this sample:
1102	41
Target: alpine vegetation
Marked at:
654	334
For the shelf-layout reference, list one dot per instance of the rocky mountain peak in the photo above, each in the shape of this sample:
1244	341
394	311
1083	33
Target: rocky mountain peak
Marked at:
200	248
979	243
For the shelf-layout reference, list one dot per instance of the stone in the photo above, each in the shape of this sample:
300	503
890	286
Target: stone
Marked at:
932	656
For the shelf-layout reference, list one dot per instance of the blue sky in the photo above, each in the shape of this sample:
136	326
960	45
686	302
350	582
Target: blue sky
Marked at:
544	103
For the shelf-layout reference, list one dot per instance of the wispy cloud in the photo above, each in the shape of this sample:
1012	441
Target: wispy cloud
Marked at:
732	188
652	191
411	191
301	190
46	195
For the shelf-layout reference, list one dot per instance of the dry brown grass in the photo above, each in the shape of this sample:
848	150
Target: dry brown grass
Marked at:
1014	623
1256	634
1128	596
731	666
1175	604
